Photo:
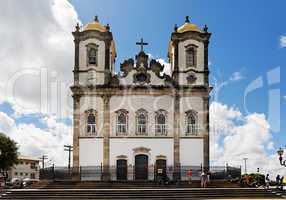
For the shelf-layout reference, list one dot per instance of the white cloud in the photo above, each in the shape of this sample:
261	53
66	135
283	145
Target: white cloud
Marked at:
6	123
34	141
235	136
167	66
236	76
218	82
283	41
35	35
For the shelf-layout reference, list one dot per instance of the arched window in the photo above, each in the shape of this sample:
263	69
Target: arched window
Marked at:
191	123
141	122
122	122
92	56
91	122
161	123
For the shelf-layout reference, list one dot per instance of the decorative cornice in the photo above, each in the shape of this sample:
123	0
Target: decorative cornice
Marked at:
121	157
82	36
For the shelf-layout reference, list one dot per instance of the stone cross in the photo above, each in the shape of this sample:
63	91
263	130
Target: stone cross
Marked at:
141	43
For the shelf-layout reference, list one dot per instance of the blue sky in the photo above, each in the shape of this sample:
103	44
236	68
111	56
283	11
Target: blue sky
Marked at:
245	47
245	39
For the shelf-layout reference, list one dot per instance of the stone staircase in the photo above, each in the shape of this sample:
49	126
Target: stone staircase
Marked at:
172	193
137	190
131	184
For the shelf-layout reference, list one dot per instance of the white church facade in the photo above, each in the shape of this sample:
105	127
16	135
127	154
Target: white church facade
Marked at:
140	119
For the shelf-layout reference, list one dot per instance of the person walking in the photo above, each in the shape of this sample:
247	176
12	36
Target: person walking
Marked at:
189	175
277	180
267	181
204	179
281	182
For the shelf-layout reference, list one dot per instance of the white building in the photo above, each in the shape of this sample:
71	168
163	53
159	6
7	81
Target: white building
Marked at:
27	167
140	117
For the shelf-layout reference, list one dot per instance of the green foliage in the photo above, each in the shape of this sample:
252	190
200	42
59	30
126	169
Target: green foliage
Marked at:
9	153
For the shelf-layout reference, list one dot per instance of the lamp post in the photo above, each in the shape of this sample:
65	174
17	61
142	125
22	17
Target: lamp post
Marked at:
245	169
280	153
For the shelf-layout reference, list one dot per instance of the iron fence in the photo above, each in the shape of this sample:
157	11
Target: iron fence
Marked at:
94	173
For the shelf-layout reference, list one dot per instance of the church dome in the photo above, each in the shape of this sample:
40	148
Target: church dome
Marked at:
187	26
95	25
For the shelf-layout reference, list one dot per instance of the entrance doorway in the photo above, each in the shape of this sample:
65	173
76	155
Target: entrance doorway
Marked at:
161	168
121	169
141	167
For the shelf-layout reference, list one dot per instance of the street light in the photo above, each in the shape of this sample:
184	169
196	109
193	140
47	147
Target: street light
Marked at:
245	169
280	152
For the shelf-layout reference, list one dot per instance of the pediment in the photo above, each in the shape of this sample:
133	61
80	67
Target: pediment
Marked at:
142	150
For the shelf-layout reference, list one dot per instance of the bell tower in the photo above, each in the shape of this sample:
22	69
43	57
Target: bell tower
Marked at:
94	54
93	66
188	54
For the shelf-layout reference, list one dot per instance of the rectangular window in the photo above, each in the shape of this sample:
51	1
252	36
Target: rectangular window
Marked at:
92	56
190	57
33	165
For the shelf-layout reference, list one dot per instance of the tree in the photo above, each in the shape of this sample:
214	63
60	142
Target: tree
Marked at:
8	155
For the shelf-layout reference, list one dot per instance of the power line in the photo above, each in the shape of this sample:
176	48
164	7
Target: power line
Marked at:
69	149
43	158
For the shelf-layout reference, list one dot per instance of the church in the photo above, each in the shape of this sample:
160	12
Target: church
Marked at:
133	122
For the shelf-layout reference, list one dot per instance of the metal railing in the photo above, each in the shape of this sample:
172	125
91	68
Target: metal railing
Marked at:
90	173
141	129
121	129
91	129
191	129
161	129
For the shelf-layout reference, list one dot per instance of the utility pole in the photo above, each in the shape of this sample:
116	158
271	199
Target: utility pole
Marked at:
43	158
245	169
69	149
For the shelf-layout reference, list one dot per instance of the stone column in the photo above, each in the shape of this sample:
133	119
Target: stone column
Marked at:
176	61
177	165
106	133
107	74
206	133
76	130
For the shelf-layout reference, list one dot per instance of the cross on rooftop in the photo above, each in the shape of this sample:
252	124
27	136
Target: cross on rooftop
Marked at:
141	43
